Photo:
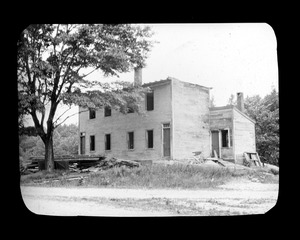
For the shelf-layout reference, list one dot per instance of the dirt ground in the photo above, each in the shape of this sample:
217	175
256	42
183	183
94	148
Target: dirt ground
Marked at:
239	197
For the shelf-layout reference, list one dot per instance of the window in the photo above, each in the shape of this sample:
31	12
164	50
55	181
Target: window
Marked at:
107	111
130	140
225	138
130	110
150	101
107	141
149	138
92	143
92	113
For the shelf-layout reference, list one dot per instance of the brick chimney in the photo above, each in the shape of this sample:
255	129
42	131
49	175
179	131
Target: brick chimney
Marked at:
137	76
240	101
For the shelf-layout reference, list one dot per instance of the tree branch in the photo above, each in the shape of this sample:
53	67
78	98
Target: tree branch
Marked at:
61	115
85	75
69	117
38	126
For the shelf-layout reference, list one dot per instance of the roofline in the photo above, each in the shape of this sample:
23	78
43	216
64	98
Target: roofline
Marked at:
244	114
157	83
169	79
234	108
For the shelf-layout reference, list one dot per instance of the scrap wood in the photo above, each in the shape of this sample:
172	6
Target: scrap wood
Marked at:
216	160
95	166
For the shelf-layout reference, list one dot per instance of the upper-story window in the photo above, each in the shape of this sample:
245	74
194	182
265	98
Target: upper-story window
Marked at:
130	110
150	101
107	111
92	113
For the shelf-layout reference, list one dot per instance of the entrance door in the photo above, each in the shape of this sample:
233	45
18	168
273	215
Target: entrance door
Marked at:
215	142
82	144
166	140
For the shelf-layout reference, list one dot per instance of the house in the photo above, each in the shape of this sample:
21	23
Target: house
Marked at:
178	122
232	132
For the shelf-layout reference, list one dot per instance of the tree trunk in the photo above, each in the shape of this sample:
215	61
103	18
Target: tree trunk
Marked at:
49	154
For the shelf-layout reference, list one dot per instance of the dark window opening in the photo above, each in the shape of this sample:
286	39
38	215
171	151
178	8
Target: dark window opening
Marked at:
150	138
130	110
92	113
107	141
131	140
225	142
107	111
150	101
92	143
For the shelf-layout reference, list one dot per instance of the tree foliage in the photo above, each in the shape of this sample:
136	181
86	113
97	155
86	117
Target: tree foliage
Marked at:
265	111
53	61
65	143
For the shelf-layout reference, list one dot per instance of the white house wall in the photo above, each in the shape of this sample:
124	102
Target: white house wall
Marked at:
118	125
244	135
190	120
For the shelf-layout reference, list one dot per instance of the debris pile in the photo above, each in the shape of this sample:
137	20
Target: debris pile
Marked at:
103	164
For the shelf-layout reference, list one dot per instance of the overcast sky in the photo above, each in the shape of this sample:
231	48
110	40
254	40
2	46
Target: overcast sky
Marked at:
230	58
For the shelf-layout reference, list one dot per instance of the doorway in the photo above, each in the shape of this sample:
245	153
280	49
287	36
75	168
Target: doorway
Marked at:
82	143
166	140
215	143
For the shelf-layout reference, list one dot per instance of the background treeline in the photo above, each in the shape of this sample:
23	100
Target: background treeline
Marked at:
65	142
265	111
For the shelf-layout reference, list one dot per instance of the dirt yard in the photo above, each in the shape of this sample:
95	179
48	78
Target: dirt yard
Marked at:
240	197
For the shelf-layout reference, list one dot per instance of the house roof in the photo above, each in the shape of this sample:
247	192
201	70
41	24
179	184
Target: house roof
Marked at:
168	80
157	83
232	107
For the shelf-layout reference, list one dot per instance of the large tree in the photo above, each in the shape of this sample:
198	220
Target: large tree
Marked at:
54	62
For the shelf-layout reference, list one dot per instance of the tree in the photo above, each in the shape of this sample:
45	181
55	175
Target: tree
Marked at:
52	68
266	114
231	100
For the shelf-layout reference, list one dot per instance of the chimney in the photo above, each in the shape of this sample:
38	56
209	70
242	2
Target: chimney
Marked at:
240	101
137	76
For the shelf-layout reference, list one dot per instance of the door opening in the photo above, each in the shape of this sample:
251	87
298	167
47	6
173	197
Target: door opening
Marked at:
166	140
215	143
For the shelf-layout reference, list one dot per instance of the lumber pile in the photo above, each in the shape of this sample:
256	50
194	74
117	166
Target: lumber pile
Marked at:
100	165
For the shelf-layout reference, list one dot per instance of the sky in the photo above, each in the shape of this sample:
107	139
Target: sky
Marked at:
229	58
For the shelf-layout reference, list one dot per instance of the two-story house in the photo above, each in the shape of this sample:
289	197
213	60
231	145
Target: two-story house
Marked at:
178	122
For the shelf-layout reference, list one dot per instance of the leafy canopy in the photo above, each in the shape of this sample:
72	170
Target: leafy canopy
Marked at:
53	61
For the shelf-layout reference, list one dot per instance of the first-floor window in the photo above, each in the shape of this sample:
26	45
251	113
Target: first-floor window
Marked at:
107	141
149	137
130	140
92	143
225	138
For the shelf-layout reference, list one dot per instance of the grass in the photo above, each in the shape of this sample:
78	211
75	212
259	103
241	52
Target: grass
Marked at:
154	176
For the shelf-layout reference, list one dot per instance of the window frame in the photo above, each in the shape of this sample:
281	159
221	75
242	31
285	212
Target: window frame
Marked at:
92	116
105	111
228	142
152	100
128	140
105	142
147	138
94	143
